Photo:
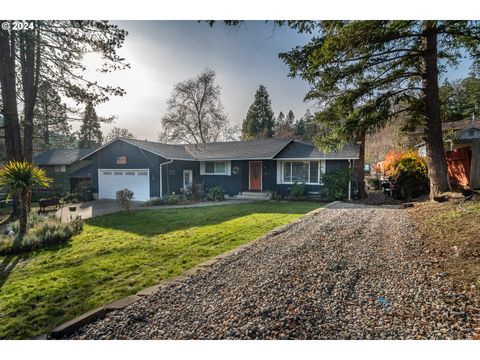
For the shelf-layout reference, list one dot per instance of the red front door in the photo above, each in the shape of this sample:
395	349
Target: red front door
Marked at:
256	175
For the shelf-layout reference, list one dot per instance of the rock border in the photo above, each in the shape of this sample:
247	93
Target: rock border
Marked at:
91	316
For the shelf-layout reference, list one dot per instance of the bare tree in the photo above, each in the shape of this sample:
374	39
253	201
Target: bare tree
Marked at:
117	132
195	112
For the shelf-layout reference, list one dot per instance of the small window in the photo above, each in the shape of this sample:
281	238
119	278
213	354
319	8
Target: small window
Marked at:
118	173
130	173
121	160
107	173
60	168
142	173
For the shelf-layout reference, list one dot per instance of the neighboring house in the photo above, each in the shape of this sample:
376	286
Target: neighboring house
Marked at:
65	167
152	169
462	151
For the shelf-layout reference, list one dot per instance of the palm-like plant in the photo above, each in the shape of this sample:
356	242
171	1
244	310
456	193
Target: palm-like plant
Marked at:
20	177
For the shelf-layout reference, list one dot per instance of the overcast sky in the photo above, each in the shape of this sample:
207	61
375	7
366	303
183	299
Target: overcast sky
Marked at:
162	53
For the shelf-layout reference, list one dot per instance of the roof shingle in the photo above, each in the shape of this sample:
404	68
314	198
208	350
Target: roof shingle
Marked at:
60	156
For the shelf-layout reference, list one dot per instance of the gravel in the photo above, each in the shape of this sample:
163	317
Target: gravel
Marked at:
347	272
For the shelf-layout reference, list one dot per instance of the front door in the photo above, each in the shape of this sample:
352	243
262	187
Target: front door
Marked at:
187	178
256	175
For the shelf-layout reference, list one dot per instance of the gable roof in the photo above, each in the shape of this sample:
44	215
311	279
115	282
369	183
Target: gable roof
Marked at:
301	150
60	156
238	150
169	151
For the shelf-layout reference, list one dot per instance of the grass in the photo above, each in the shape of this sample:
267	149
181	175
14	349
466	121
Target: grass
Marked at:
451	233
119	254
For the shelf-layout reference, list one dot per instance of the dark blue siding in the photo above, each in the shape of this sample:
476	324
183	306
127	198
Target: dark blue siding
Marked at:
330	165
137	158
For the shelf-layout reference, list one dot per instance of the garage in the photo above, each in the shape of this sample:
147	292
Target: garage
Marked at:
112	180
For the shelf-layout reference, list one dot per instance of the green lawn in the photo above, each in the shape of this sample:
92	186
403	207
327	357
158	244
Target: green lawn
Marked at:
119	254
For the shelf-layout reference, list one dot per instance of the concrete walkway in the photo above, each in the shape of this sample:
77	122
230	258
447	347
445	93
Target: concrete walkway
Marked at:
95	208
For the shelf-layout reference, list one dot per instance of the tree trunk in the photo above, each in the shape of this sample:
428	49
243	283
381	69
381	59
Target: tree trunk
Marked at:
359	167
437	164
13	141
29	61
23	213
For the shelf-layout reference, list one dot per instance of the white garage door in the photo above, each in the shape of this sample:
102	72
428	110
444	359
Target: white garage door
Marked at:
137	180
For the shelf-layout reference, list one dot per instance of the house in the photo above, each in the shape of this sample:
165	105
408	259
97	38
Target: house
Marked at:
152	169
65	167
462	151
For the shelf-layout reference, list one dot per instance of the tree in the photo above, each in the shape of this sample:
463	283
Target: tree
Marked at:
259	122
51	125
20	177
285	126
278	123
52	52
195	112
306	127
90	134
460	100
117	132
363	73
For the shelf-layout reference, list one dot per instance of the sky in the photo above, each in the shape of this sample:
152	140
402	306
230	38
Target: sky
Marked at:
162	53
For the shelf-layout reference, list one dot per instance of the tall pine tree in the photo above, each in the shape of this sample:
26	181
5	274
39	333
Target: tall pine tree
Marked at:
364	73
90	134
259	121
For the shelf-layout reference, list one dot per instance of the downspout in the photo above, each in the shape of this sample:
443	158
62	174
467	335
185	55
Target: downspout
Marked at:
161	177
350	181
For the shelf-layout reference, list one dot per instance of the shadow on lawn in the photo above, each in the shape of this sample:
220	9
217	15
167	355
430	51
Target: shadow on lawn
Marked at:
7	265
162	221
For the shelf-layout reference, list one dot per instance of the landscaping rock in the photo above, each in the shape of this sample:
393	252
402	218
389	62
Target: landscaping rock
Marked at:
346	272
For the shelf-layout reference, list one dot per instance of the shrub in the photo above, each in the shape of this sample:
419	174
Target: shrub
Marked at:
172	200
408	173
298	190
71	198
194	192
216	193
373	183
46	231
154	202
124	199
336	184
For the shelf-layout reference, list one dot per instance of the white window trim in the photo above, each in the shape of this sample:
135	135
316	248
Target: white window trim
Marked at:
281	170
227	172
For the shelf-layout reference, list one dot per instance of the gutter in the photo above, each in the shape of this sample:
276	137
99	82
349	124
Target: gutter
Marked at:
161	177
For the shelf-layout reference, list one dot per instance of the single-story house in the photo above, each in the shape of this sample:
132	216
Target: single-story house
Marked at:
462	152
152	169
65	167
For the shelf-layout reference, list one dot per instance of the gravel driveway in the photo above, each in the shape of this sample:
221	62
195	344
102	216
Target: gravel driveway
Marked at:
347	272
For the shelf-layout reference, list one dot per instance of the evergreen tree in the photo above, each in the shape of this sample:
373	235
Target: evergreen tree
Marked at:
90	134
50	121
259	122
364	73
279	123
306	127
461	99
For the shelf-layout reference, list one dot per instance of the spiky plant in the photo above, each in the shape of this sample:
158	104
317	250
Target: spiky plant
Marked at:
20	177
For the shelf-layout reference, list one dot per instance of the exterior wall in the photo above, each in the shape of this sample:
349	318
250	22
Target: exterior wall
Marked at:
330	165
61	180
137	158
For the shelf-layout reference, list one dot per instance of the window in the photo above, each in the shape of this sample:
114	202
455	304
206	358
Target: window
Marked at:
130	173
121	160
118	173
301	171
215	168
142	173
60	168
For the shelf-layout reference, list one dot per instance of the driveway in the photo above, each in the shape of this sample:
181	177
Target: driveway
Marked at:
346	272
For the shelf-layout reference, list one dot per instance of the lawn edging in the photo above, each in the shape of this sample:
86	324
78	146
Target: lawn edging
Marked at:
91	316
